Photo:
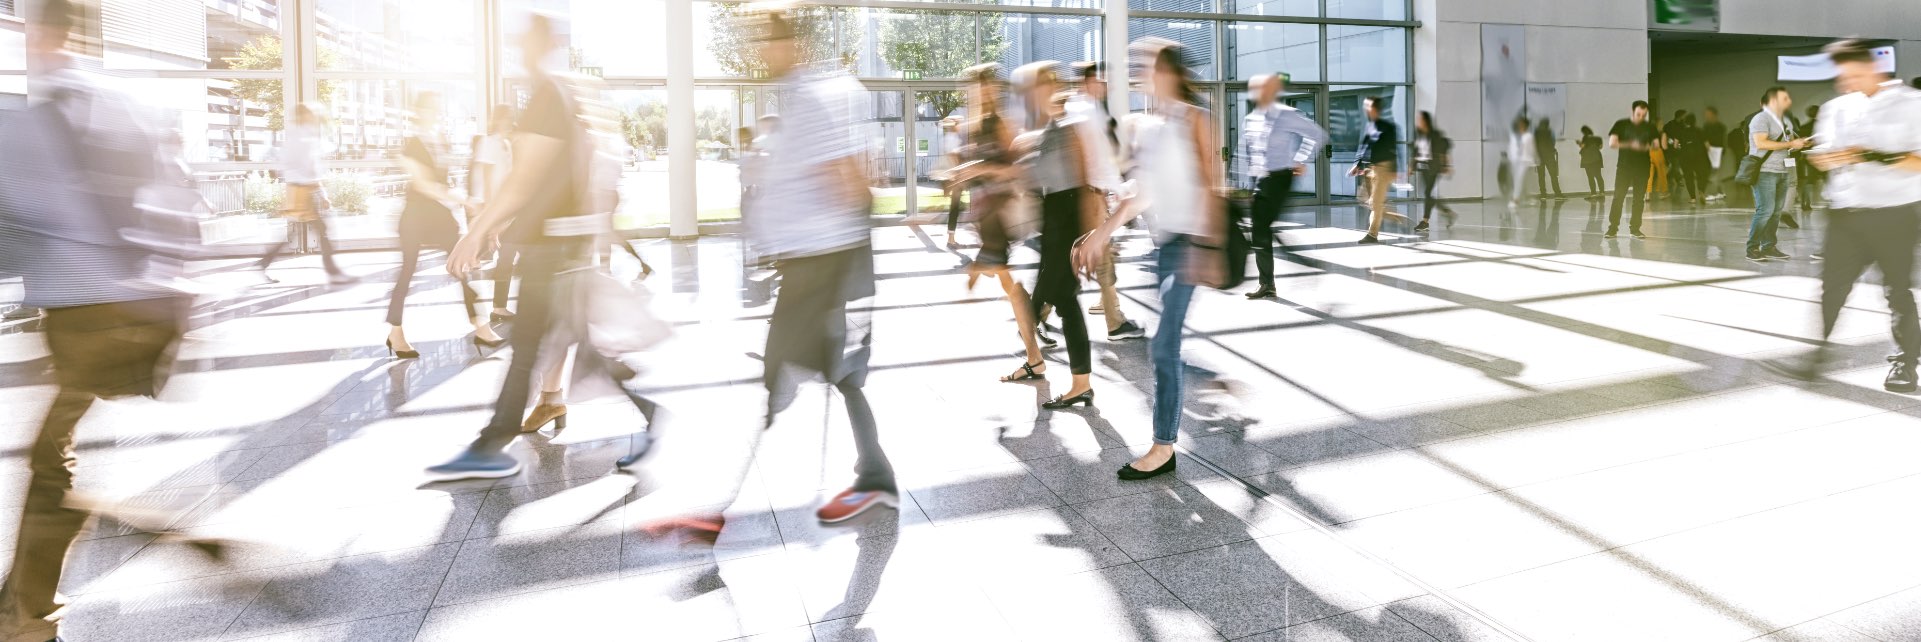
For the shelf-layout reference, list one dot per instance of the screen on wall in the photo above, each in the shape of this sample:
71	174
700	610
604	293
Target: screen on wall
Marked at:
1687	15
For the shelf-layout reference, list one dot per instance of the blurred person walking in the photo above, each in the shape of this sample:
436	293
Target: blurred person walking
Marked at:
1380	156
1061	160
1715	134
1657	178
1635	137
553	210
1433	159
306	200
1172	145
493	160
1591	162
1772	142
1547	159
426	220
819	235
988	170
1087	108
1870	145
76	160
1277	143
1520	157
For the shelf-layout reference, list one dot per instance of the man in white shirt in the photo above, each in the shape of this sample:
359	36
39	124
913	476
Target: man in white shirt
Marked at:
1087	109
1869	142
1277	143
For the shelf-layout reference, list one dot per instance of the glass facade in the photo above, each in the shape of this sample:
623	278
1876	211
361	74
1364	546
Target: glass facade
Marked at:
225	74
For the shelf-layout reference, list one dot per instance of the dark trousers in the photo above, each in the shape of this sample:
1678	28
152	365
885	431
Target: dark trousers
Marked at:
1694	175
1595	185
1546	173
108	349
1269	193
297	228
1858	238
813	329
1430	178
409	263
1630	182
504	273
1056	284
953	210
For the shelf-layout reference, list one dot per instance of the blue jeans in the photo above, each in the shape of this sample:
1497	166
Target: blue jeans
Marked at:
1165	347
1770	192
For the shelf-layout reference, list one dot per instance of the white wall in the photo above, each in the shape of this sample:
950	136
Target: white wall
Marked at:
1597	49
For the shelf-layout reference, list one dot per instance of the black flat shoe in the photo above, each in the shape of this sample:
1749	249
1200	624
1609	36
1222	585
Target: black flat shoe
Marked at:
1068	402
1130	473
404	354
1263	293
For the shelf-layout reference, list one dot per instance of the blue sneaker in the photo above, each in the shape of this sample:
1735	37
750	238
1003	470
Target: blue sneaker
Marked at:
473	465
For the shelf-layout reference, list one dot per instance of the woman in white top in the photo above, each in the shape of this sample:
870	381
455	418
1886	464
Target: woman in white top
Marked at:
1170	147
304	201
1520	158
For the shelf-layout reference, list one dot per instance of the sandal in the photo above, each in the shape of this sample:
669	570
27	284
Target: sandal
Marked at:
1028	373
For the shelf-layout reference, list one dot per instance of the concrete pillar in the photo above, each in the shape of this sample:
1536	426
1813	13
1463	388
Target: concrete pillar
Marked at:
683	207
1114	43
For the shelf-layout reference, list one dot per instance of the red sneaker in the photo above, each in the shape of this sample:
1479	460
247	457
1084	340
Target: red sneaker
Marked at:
695	530
850	503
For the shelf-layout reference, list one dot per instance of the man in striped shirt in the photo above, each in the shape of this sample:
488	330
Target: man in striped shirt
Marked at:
75	160
1277	142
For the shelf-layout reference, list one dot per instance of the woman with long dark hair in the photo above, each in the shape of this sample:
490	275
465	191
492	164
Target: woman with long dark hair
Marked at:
427	219
1432	160
988	171
1171	146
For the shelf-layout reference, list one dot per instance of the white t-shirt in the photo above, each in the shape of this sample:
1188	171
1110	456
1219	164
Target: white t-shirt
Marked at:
495	152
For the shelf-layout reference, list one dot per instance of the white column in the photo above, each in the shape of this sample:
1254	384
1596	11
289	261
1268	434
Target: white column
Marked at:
1114	39
683	213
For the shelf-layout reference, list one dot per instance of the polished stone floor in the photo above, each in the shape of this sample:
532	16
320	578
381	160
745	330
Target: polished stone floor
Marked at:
1511	429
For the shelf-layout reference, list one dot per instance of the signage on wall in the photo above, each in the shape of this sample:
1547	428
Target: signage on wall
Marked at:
910	74
1685	15
590	71
1817	67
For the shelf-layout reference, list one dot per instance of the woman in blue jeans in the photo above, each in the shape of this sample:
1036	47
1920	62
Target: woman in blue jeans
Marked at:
1169	145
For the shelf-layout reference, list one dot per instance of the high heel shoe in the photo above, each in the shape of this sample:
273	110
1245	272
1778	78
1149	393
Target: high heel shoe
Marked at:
1027	373
1064	401
544	414
1129	473
403	354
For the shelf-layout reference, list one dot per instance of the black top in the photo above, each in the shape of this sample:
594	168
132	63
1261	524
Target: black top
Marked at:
1591	151
1544	144
1714	133
1632	133
424	218
1380	144
551	115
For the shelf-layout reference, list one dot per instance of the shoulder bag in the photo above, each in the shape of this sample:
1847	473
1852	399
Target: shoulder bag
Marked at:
1748	173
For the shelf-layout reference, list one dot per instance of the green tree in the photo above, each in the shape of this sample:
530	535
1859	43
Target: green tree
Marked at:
939	44
733	47
264	53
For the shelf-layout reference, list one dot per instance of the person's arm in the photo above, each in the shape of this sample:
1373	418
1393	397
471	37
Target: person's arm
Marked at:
1313	138
1100	162
530	151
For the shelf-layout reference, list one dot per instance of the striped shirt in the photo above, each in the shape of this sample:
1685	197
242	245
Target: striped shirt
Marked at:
804	209
1278	137
67	187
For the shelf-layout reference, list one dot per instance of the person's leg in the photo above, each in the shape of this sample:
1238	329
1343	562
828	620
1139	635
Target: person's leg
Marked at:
1622	179
1554	173
1640	189
953	212
1176	295
1080	351
1381	180
326	246
1779	193
1261	214
1896	231
1429	176
48	523
1540	179
872	471
1846	257
403	280
504	273
1758	223
536	316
